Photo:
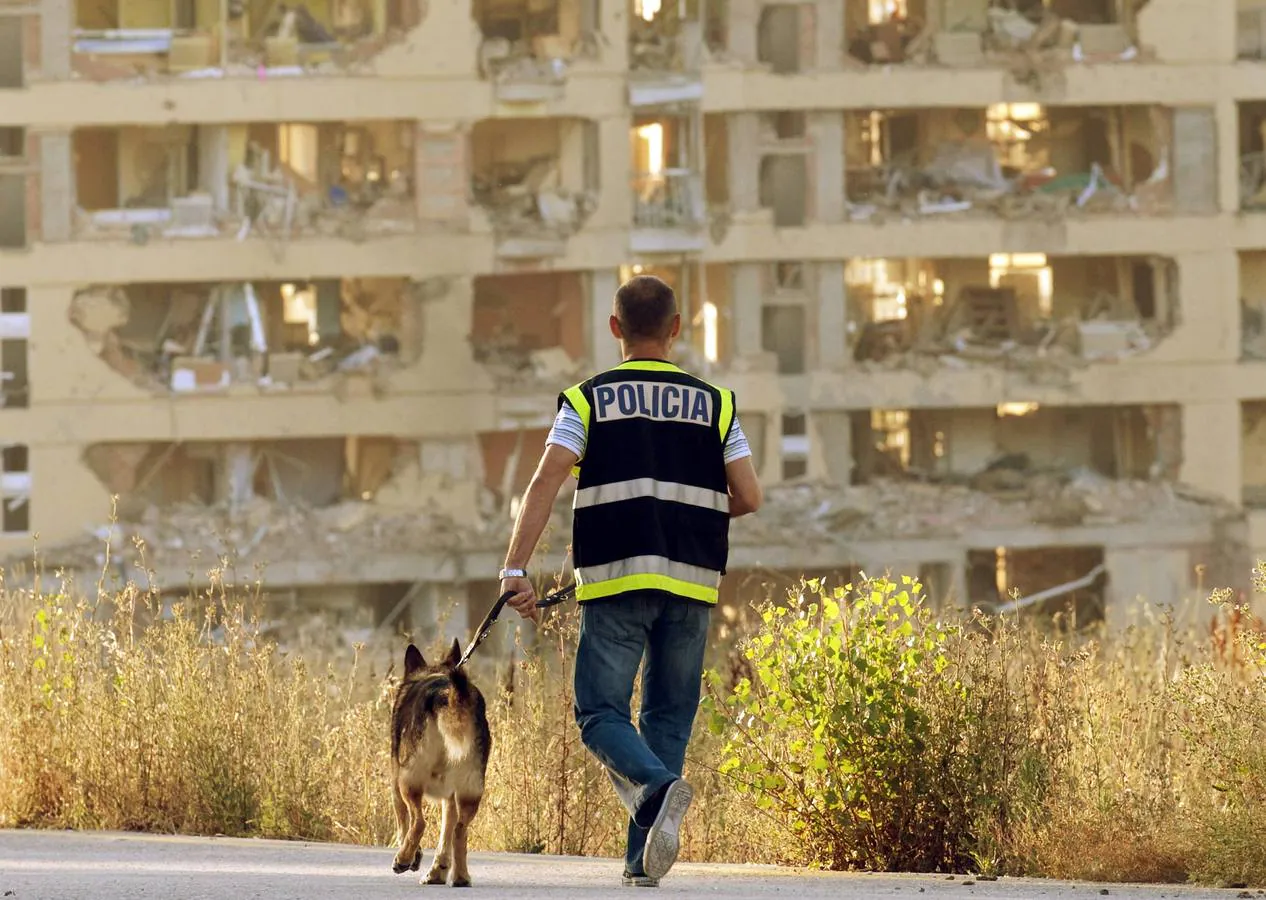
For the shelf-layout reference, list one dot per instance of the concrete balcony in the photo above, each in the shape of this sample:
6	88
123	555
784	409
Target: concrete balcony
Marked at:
753	236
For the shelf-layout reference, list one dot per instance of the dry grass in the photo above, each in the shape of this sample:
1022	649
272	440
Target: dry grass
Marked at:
118	713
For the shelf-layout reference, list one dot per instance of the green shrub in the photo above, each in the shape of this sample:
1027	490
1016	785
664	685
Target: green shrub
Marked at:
882	739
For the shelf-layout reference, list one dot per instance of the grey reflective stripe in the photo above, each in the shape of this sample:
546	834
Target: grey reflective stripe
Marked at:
649	565
649	487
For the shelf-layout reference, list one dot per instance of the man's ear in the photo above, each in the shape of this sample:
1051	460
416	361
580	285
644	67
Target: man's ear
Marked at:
413	660
454	654
616	331
676	329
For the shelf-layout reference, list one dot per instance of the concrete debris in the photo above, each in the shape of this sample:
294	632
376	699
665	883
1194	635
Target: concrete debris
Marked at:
542	61
285	534
510	361
813	512
982	326
1033	42
667	43
527	200
966	179
97	312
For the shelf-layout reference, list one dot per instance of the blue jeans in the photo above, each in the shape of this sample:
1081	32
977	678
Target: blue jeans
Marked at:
615	634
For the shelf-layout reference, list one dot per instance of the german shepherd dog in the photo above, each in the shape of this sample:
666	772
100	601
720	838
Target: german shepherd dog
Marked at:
439	750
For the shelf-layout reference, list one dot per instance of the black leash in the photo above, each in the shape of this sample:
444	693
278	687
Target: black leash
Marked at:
560	596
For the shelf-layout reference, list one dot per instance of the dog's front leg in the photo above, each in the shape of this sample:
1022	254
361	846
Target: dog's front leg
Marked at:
402	815
444	852
467	807
410	854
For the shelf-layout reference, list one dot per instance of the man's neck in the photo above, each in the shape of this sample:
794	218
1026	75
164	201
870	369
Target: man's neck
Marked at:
645	351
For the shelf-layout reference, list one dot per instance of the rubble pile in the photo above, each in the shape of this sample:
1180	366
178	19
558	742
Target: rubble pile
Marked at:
528	200
807	512
275	533
965	177
1030	39
983	327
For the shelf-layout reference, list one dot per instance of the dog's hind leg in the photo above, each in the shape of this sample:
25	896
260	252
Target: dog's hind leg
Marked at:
410	854
467	808
444	851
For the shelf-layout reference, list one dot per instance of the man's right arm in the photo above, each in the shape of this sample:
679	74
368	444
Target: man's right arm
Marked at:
740	474
745	491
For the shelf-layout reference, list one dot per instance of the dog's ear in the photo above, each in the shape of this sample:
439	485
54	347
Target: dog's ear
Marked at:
454	654
413	660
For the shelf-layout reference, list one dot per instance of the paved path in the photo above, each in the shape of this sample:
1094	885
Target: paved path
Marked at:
108	865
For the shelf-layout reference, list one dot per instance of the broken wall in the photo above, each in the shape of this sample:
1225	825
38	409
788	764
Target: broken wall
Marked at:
510	459
1113	441
519	314
1178	31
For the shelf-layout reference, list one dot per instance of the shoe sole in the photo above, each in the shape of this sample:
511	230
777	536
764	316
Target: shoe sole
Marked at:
662	840
640	881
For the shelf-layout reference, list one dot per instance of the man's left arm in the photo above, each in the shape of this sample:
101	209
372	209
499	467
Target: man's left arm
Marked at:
555	465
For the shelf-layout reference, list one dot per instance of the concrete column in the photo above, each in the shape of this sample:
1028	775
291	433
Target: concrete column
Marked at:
1211	444
437	616
830	34
447	360
832	317
1227	154
57	186
831	446
744	15
57	18
827	132
213	163
238	475
571	163
1146	578
614	19
615	157
744	161
603	350
746	301
442	173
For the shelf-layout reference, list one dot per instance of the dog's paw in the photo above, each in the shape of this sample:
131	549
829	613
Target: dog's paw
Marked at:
400	867
437	875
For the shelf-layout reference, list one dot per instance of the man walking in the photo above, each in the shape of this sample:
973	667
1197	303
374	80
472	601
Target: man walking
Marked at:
662	466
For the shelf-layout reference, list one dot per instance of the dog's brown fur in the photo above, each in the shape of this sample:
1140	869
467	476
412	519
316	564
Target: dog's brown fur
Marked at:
440	743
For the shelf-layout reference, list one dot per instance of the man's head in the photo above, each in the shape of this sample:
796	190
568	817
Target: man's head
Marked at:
645	314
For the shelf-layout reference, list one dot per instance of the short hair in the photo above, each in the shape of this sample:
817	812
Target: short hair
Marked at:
644	307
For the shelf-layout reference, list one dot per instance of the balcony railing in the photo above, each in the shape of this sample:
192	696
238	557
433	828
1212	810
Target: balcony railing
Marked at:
672	198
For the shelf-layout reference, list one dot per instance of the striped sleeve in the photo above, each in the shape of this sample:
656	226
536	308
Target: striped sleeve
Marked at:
736	446
568	431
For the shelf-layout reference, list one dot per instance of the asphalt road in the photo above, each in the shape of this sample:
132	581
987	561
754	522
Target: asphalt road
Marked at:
106	866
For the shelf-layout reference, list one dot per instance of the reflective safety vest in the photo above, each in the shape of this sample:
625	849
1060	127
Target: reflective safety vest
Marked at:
652	508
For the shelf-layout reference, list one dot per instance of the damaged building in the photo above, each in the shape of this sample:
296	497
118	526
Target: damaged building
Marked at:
299	283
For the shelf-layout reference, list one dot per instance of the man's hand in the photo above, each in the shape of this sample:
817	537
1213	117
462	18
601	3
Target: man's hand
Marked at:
524	599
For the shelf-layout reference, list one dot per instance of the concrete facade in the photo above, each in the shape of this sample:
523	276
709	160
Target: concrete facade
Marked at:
986	285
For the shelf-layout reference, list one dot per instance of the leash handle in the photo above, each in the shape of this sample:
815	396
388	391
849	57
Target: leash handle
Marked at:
559	596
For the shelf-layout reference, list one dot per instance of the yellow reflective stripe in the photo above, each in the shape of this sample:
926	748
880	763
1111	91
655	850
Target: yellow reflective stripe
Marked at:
599	589
576	397
649	365
727	412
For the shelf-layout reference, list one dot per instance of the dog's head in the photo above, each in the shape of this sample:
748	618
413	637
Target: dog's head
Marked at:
416	668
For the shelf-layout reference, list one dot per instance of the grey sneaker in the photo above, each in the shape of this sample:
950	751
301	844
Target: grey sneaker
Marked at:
631	880
662	840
